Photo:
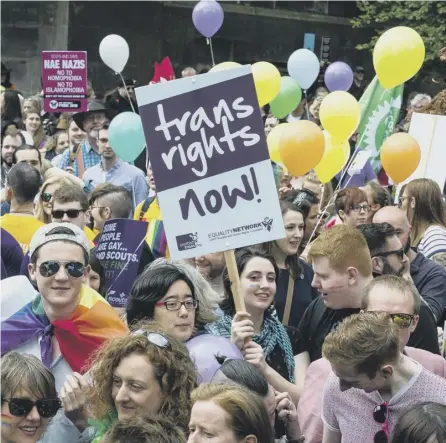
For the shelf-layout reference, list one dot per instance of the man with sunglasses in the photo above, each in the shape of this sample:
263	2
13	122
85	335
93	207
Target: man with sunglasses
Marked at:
399	298
118	99
67	321
372	381
429	277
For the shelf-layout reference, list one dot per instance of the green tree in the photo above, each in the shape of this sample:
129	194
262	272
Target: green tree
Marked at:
428	18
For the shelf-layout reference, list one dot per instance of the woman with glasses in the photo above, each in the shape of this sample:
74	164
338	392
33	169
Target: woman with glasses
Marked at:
258	332
425	208
143	373
294	292
351	206
377	197
29	398
176	296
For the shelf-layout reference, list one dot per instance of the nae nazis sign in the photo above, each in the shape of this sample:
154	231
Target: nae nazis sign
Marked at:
210	162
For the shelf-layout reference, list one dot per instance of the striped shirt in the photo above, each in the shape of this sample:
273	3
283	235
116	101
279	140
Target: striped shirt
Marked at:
433	241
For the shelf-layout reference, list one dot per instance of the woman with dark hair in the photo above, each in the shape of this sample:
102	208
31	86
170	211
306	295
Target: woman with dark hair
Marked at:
351	206
95	279
423	423
11	109
175	295
258	332
294	292
424	205
377	197
281	410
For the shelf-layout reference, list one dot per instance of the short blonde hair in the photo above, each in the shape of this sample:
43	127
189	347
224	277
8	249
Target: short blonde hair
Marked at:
344	247
364	341
246	410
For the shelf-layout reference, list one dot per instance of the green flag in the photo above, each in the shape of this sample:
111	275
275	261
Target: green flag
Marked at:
380	109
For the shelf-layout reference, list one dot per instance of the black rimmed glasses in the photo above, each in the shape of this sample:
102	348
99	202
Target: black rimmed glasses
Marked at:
21	407
359	208
398	252
157	339
175	305
51	267
381	416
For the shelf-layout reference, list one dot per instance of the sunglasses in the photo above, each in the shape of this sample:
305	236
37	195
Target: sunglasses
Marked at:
404	321
397	252
46	197
21	407
380	415
157	339
72	213
74	268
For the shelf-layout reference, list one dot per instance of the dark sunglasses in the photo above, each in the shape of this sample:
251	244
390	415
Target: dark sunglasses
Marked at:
72	213
74	268
21	407
380	415
404	321
46	197
157	339
397	252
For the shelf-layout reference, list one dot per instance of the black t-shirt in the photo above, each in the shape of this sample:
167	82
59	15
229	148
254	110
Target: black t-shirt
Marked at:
276	359
303	294
318	321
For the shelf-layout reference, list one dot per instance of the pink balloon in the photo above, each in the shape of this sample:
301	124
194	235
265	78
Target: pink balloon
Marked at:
203	350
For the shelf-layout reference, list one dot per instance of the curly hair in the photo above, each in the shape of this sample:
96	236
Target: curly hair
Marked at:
173	367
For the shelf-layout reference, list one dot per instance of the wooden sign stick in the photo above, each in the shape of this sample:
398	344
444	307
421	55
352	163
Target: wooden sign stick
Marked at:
235	280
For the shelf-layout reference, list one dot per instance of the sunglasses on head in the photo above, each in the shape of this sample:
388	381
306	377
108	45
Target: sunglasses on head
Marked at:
46	197
157	339
21	407
72	213
74	268
380	415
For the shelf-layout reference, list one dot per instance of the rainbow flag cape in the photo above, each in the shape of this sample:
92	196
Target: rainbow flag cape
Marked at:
156	239
92	323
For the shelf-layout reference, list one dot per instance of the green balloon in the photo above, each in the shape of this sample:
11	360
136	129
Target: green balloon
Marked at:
288	98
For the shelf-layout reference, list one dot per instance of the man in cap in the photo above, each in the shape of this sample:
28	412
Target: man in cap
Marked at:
359	84
118	100
67	321
86	155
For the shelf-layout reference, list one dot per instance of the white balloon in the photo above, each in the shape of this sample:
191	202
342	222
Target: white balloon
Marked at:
304	67
114	52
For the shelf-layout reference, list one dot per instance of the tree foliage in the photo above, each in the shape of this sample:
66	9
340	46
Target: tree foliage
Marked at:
428	18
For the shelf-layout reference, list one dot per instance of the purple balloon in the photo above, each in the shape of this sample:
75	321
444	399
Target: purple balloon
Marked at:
207	17
203	350
338	77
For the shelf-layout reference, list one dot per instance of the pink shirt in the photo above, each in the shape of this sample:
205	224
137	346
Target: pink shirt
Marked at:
310	404
351	412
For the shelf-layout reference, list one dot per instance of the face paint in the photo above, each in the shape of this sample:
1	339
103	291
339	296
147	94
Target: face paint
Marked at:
7	420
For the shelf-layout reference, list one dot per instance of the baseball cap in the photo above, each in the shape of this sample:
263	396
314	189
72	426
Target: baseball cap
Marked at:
59	232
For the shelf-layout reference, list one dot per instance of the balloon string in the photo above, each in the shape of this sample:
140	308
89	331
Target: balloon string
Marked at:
127	92
209	42
306	104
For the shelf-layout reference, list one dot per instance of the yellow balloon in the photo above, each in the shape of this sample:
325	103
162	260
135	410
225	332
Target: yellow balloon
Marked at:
224	66
332	161
340	114
398	55
267	81
273	141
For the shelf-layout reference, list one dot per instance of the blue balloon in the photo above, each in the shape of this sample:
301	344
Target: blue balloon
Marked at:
127	136
304	67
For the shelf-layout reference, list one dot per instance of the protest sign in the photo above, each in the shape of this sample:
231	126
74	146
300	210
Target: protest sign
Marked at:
210	162
430	133
64	81
119	250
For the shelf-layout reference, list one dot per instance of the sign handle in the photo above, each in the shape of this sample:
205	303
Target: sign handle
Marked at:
234	278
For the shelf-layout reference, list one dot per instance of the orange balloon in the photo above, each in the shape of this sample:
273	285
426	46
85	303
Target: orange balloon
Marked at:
302	146
400	156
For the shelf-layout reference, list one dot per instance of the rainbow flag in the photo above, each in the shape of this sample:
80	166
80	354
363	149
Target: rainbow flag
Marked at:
92	323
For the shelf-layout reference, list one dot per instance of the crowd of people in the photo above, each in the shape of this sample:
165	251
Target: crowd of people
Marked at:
341	339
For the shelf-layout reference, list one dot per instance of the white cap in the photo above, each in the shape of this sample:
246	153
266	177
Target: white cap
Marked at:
68	232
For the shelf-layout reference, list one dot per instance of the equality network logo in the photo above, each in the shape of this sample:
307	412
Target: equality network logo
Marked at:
187	241
267	223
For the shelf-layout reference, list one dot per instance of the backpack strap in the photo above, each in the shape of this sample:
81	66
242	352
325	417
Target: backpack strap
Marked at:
147	202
